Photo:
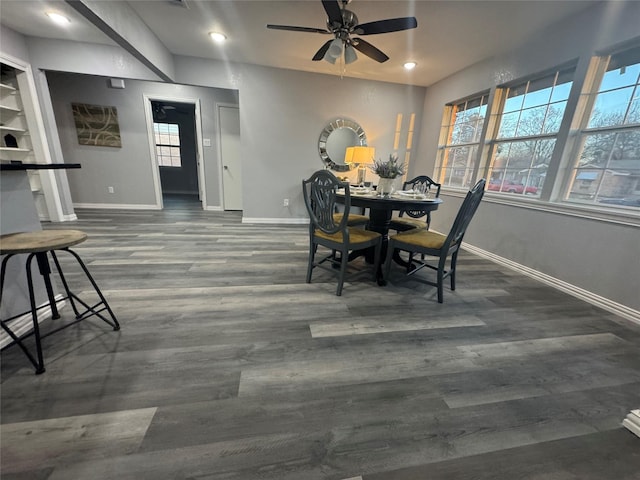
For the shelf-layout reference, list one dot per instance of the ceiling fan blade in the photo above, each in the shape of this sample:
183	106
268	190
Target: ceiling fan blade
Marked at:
369	50
386	26
320	53
334	12
297	29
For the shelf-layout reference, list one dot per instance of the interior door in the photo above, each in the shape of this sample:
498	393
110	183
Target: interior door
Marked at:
230	156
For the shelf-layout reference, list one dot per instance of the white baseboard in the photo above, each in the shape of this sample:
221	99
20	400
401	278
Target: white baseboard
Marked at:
632	422
72	217
581	293
213	208
24	323
116	206
276	221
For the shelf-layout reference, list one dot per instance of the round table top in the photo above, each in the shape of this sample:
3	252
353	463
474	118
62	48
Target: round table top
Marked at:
39	241
393	202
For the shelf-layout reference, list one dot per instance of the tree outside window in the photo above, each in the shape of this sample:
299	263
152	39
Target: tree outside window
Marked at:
460	140
607	168
529	122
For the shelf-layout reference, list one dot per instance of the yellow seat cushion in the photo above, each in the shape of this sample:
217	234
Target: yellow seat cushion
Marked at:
409	222
354	219
356	235
421	238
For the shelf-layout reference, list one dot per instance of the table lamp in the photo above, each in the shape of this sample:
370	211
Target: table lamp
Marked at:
362	156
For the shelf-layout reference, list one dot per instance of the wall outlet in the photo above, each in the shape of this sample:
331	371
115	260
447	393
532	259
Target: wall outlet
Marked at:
110	189
285	202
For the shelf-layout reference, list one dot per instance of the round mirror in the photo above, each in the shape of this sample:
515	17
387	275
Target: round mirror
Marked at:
334	140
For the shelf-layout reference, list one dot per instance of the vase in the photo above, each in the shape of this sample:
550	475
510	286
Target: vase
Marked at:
385	186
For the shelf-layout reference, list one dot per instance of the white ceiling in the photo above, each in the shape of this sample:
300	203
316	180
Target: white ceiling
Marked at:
451	34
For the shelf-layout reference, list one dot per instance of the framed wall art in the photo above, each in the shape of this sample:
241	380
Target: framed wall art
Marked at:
96	125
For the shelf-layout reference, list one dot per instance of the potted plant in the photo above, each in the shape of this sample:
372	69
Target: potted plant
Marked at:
388	171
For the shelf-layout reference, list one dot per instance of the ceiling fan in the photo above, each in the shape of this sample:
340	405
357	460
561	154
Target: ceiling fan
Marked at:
342	23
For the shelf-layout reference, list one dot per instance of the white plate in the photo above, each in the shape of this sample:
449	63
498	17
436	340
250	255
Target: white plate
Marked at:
417	196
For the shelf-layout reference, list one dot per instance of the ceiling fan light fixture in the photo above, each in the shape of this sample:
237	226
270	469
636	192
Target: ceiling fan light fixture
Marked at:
218	37
342	23
58	18
410	65
335	50
329	59
349	55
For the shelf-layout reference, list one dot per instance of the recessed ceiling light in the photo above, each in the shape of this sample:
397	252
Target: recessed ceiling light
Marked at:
410	65
217	37
58	18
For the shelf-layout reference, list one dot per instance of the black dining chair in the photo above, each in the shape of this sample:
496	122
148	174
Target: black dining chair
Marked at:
353	220
415	218
320	198
427	243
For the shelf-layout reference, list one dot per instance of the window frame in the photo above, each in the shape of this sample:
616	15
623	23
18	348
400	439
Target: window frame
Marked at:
169	145
586	78
447	127
581	131
494	140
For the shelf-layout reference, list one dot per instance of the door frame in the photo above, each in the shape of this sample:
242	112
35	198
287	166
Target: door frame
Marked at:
221	166
155	168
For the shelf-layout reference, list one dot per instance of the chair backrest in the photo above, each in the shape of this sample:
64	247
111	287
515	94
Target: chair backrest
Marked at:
422	179
465	214
320	198
412	184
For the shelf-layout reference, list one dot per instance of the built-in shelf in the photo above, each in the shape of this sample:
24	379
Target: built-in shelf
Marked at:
4	108
8	88
17	123
12	129
14	120
13	149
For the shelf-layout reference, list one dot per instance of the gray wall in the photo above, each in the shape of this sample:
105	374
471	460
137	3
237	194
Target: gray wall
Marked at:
13	44
128	169
88	58
282	113
600	256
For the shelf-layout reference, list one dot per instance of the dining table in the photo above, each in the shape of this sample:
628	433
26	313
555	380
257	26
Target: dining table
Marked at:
381	208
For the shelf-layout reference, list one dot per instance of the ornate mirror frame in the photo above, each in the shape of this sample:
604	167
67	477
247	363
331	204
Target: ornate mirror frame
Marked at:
337	124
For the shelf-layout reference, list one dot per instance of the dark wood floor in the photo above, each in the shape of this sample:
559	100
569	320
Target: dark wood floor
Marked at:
229	366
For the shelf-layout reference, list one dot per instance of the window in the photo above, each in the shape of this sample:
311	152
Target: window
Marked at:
530	118
460	139
606	170
167	144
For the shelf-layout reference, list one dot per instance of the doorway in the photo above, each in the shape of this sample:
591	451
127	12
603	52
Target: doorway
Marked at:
174	128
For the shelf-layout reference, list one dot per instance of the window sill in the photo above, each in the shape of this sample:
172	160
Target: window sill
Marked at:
581	211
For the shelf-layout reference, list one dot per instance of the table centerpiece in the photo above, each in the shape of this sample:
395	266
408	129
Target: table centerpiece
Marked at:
388	171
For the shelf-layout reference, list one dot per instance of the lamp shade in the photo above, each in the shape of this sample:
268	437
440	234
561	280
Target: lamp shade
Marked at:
359	154
335	50
349	55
